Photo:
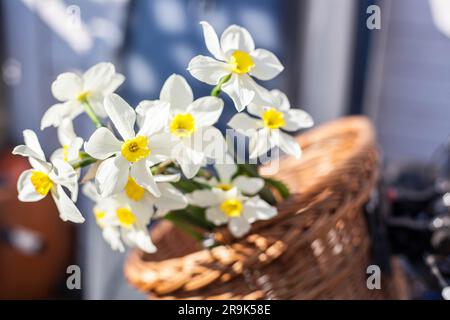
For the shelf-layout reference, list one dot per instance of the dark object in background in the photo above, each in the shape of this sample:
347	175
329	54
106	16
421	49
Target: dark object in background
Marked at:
415	213
35	245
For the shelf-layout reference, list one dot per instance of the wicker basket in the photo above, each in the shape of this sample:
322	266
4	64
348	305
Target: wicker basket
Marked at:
316	248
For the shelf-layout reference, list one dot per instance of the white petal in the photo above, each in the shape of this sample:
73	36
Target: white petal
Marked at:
121	114
116	82
206	111
225	171
99	76
143	177
67	209
257	209
248	185
55	115
31	141
236	38
147	106
108	206
216	216
171	198
260	143
221	195
202	198
187	157
142	109
112	236
112	176
102	144
257	109
90	191
177	92
155	118
26	151
65	175
141	239
73	149
244	124
239	88
67	86
286	143
208	70
66	133
296	119
207	142
143	209
26	190
212	41
280	99
262	96
188	166
189	169
57	154
32	149
267	66
162	145
167	177
238	226
33	157
98	105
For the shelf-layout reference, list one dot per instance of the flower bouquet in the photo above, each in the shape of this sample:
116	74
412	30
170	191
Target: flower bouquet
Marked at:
165	160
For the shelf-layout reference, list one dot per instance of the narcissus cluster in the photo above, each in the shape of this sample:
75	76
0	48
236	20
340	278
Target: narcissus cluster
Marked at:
165	159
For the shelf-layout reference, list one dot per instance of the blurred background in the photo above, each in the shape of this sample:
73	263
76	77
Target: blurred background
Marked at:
335	65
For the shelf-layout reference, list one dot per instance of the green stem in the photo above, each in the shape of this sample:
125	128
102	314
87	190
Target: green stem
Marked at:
91	114
204	173
83	162
218	88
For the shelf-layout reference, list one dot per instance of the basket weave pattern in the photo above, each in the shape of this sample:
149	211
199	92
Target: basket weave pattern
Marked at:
317	247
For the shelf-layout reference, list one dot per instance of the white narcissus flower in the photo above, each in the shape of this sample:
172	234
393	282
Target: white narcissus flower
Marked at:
73	90
44	177
230	206
234	55
142	201
71	144
134	155
190	124
265	132
125	221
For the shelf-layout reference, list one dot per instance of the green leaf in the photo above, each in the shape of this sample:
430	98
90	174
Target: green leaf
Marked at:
184	227
186	186
193	216
279	186
250	170
267	195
